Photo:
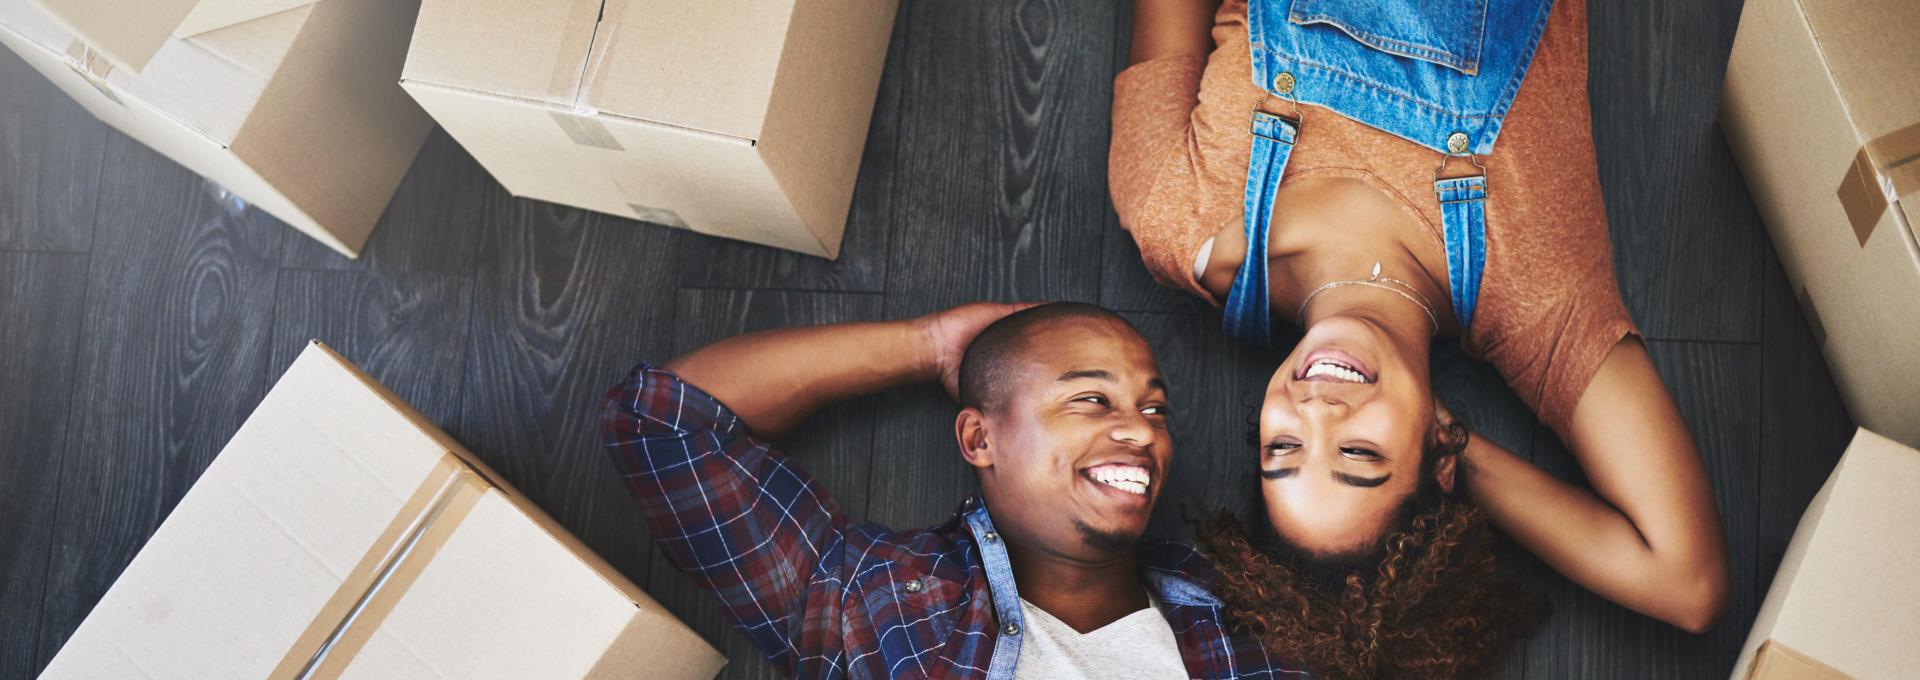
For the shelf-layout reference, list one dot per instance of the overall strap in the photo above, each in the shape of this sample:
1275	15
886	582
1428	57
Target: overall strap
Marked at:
1249	311
1463	216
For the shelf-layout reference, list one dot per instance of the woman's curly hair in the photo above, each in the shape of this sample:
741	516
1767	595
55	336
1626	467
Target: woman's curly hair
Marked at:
1442	596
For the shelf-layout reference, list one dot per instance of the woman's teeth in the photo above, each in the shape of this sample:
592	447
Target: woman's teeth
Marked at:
1128	478
1335	370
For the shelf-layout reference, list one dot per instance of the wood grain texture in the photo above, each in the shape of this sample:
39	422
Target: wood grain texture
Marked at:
1004	136
50	153
1804	427
1686	235
835	445
1718	391
173	356
428	227
41	303
565	302
408	333
710	262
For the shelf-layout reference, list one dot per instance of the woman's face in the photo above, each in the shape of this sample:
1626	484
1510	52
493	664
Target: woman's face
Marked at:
1341	435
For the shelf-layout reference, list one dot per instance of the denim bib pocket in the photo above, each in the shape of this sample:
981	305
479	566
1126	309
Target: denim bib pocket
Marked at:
1444	33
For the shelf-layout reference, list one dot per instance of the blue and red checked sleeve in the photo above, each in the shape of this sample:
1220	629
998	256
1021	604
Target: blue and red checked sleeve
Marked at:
727	509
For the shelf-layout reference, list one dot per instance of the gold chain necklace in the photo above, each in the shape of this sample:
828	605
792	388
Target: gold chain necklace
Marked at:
1375	281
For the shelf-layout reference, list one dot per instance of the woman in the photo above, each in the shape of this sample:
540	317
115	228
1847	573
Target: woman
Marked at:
1351	146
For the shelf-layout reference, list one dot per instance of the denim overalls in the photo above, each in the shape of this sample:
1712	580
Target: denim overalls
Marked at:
1439	74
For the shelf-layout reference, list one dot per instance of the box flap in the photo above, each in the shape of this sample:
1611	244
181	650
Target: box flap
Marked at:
1844	594
1872	48
210	83
706	66
527	49
217	14
265	536
126	33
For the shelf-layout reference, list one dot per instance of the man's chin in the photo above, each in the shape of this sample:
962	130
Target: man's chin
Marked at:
1109	540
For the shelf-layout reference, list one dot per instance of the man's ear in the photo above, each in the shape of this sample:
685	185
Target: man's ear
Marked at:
970	430
1443	471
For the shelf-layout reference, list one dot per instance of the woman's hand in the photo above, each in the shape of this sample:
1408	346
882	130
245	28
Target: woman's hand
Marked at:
949	332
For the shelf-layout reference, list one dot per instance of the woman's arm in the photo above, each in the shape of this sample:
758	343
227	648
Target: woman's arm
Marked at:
1165	28
1651	538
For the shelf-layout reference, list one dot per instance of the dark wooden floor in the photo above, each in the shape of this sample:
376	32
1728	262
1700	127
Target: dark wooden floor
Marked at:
140	322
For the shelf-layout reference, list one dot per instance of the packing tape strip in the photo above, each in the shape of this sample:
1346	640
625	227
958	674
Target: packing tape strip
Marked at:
1884	170
569	76
374	585
1775	661
91	66
586	131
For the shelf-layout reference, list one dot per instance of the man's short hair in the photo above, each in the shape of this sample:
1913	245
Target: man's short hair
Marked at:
986	367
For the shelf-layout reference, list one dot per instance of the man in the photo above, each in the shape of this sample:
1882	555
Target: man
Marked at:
1065	423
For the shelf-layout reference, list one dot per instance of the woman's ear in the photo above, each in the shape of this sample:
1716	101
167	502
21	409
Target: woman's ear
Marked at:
1443	471
970	430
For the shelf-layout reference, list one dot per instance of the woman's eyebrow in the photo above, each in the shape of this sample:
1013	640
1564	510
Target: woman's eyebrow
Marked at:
1362	482
1281	473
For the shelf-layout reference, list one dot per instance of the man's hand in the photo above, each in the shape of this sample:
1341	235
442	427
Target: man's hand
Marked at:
950	331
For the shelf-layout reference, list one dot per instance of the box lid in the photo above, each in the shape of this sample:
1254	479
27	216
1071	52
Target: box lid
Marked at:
1845	595
130	33
340	528
705	66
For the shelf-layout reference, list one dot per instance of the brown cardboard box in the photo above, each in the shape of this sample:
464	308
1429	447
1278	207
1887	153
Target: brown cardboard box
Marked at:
129	33
1845	602
297	112
1822	109
342	529
739	118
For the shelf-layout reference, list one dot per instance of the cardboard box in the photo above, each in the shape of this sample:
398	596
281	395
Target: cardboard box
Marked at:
341	530
129	33
1845	602
298	112
738	118
1822	109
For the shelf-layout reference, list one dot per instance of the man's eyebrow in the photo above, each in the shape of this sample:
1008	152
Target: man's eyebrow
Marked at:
1158	384
1362	482
1281	473
1095	373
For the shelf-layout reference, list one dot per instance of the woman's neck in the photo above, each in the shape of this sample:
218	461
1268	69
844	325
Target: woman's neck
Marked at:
1338	230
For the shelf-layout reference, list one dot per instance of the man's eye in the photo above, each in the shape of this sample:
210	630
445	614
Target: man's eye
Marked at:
1160	410
1094	399
1360	454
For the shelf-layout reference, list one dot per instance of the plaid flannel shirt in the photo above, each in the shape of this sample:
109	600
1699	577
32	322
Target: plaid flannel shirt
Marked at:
823	597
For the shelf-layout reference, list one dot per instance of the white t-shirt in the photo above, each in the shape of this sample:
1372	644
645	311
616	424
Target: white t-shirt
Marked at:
1139	646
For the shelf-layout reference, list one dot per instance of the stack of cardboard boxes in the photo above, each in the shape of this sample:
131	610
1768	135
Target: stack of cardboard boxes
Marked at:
1821	107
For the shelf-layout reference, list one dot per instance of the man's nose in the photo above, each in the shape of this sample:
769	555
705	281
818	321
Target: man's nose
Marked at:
1134	430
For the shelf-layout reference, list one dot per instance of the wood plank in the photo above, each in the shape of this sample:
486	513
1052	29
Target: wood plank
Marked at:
50	152
173	357
409	332
1685	232
42	298
565	302
835	445
1718	389
1003	149
1804	427
428	227
713	262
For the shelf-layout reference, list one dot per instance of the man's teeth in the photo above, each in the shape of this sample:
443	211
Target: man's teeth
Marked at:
1327	367
1126	478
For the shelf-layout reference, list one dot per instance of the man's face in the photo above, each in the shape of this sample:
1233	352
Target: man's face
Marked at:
1078	440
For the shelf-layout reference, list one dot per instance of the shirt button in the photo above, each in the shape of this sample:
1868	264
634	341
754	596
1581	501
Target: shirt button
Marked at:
990	537
1457	142
914	586
1283	83
1011	629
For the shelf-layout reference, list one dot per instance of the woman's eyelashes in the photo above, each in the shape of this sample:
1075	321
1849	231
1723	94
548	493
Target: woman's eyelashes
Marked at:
1281	448
1359	454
